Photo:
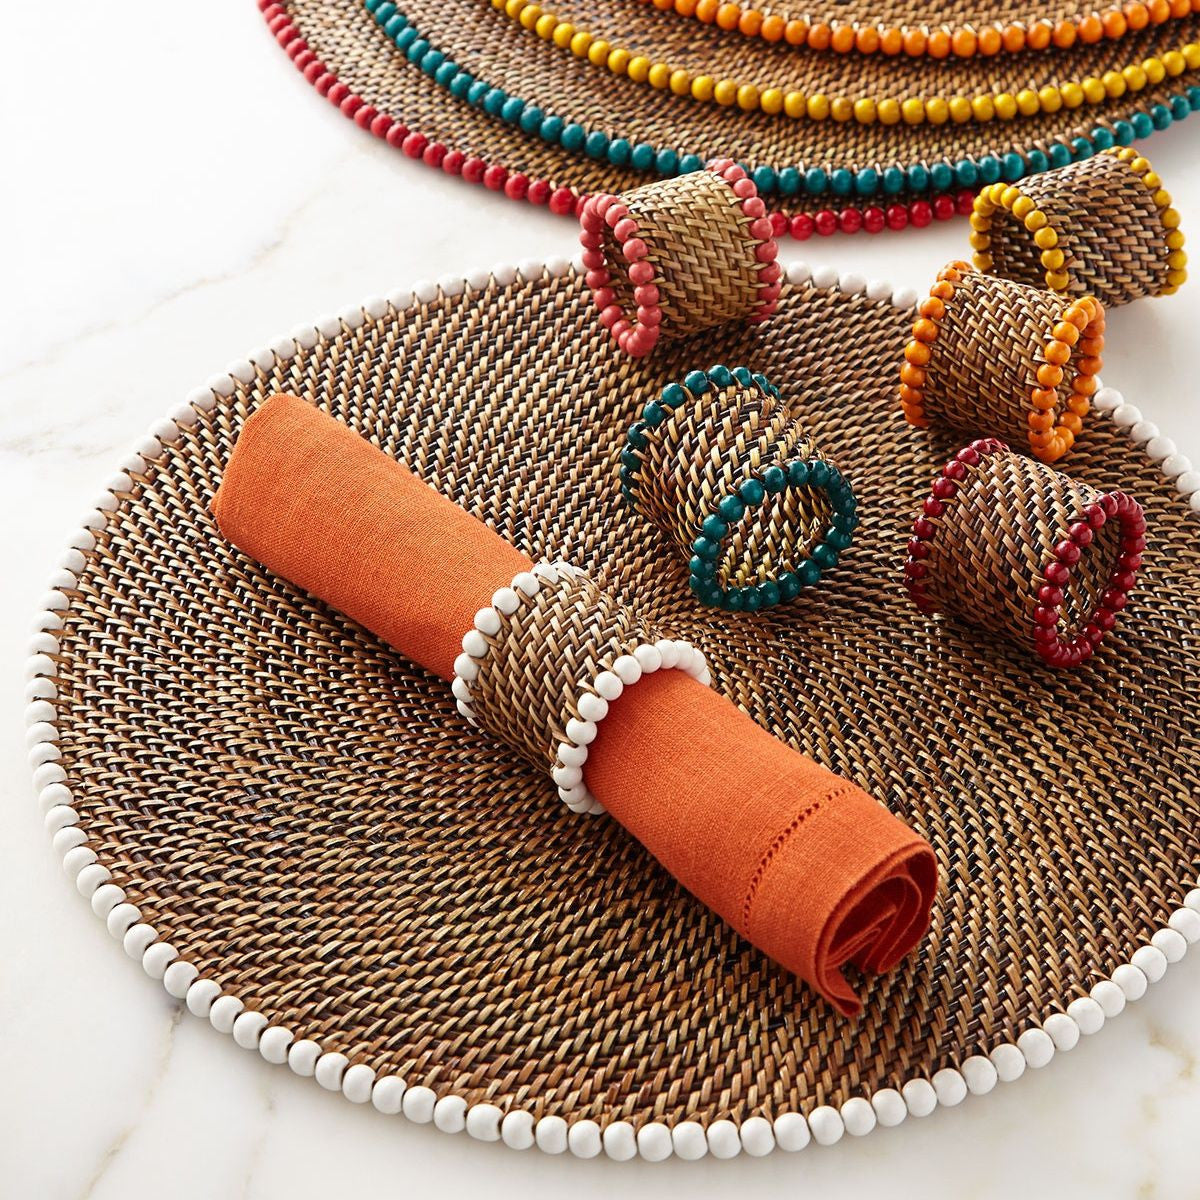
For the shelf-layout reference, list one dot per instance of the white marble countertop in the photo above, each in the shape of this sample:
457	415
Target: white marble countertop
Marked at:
174	194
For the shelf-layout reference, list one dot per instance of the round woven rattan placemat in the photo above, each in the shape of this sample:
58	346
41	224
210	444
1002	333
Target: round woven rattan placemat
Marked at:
268	805
340	40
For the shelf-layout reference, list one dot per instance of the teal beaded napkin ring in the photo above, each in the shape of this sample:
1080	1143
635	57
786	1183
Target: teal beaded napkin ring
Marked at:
722	466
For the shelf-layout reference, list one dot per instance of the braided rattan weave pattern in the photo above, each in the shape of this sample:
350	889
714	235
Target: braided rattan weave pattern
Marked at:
548	651
703	256
705	451
307	821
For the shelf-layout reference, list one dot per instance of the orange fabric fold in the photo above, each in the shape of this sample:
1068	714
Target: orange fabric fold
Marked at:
803	863
321	506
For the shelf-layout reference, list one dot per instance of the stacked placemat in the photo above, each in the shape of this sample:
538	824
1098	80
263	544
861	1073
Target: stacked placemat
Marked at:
863	117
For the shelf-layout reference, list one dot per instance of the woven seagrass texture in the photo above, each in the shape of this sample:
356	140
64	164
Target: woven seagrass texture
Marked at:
346	38
997	536
306	817
703	255
544	658
703	452
1109	229
983	365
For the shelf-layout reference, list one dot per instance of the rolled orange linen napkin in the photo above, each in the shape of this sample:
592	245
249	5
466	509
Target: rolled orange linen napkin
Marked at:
800	861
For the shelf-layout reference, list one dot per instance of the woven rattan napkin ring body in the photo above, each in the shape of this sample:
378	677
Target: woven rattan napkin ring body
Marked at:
724	468
1022	550
545	659
694	252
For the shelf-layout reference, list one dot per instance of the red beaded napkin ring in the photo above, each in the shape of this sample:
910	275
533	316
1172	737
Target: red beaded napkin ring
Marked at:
680	255
989	356
723	467
1102	226
1022	550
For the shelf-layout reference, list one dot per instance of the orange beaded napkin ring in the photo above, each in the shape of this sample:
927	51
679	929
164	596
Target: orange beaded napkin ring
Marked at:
1022	550
1103	226
695	251
990	356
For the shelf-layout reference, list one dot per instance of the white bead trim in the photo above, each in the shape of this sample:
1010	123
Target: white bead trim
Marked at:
592	700
391	1094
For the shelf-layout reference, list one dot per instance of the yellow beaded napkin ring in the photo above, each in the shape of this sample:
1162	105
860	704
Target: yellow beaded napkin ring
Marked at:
1102	226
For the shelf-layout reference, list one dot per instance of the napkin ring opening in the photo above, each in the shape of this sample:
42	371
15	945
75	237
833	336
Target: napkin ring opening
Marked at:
1017	548
721	465
990	356
680	255
1103	226
544	660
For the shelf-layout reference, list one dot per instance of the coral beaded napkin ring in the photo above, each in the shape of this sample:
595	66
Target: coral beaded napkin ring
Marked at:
696	251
